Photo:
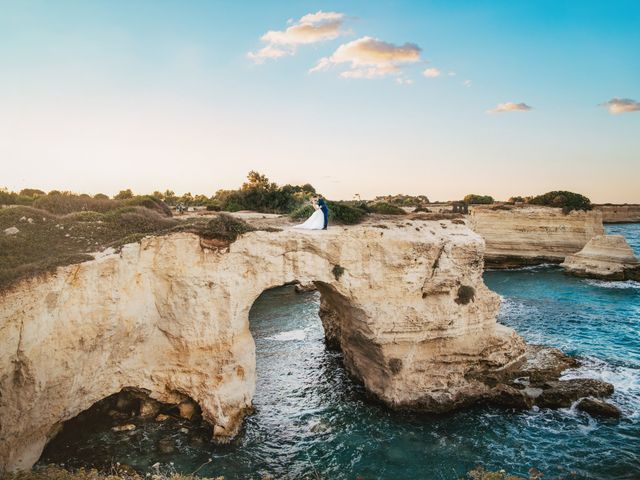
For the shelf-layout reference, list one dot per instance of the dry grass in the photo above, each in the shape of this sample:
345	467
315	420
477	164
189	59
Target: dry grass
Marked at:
46	240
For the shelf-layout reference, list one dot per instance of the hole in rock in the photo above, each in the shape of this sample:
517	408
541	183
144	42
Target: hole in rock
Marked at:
126	427
303	400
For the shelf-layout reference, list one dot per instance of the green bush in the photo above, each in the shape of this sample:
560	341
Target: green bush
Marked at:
301	213
261	195
385	208
568	201
341	212
474	199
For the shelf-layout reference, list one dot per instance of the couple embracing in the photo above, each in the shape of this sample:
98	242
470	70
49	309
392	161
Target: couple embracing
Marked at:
319	219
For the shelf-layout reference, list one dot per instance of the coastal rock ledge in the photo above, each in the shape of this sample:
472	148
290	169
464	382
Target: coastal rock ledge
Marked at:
605	257
170	316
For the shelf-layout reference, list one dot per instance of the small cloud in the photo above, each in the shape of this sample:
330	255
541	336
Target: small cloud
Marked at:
510	107
467	83
310	28
621	105
432	73
452	74
370	58
404	81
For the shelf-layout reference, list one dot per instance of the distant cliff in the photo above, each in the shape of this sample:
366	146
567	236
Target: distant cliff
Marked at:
619	213
528	235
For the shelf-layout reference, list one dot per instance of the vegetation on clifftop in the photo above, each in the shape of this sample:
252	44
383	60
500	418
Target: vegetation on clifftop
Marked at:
474	199
568	201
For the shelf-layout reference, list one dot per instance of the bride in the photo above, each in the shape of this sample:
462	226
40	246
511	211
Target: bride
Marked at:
315	221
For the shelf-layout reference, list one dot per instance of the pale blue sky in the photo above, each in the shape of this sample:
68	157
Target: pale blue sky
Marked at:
103	95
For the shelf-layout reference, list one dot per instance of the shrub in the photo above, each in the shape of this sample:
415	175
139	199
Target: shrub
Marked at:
225	227
473	199
403	200
386	209
568	201
150	202
124	194
341	212
419	209
62	203
302	212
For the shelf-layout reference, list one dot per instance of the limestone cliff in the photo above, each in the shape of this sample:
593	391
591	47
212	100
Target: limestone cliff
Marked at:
530	235
169	315
606	257
619	213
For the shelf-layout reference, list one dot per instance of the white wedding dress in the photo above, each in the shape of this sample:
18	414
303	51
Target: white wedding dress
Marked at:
314	222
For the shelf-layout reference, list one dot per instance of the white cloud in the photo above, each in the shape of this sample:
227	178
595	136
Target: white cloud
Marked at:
510	107
369	57
467	83
432	73
452	74
310	28
404	81
621	105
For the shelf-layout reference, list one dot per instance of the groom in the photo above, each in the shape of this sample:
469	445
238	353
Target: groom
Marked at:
325	211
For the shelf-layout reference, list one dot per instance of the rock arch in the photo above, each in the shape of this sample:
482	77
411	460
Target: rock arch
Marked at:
170	315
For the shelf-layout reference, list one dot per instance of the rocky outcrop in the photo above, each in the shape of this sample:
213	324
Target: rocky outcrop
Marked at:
169	316
627	213
606	257
529	235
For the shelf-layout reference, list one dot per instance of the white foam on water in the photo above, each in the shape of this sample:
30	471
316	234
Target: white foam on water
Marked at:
617	285
292	335
625	381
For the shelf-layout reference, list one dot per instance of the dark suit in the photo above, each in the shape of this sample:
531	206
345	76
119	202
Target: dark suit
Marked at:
325	212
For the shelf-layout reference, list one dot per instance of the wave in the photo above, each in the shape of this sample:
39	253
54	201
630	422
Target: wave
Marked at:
625	380
292	335
540	266
609	284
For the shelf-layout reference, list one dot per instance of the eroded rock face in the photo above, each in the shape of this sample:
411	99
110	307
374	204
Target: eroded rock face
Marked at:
530	235
606	257
619	213
407	305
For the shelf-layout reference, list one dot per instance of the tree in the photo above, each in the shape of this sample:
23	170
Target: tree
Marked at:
563	199
474	199
31	192
170	197
257	180
101	196
124	194
158	195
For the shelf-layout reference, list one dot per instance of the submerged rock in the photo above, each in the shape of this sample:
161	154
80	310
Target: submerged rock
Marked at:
534	380
598	408
166	445
149	408
605	257
127	427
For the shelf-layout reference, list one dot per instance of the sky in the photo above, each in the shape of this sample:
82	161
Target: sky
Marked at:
440	98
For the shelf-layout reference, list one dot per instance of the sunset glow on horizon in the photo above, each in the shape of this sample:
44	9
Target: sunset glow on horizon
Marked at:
441	98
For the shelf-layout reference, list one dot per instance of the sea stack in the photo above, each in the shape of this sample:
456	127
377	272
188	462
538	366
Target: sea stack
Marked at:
605	257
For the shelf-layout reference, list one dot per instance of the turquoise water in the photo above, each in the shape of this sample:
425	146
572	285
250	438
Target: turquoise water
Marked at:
312	421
